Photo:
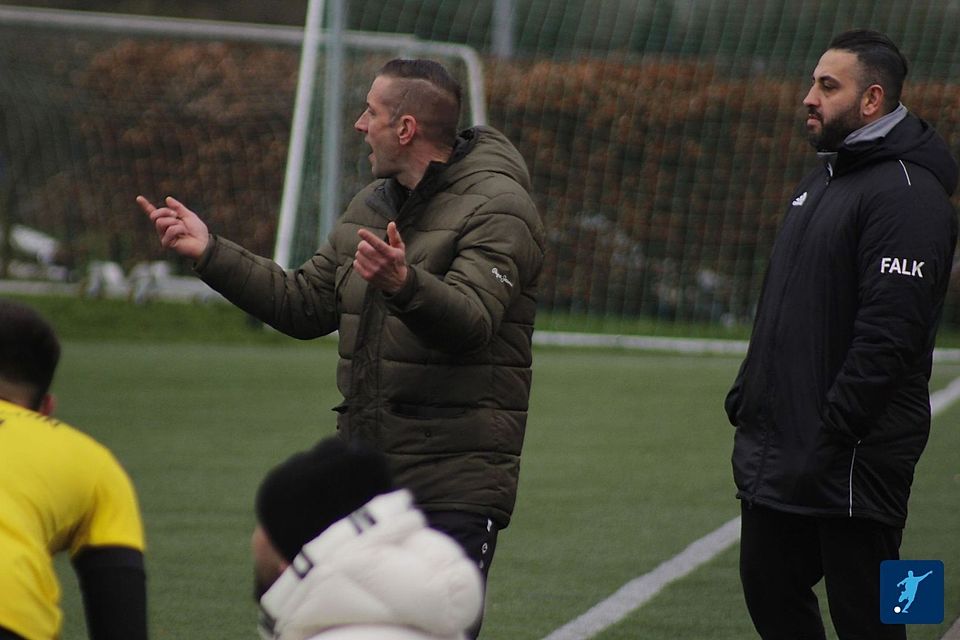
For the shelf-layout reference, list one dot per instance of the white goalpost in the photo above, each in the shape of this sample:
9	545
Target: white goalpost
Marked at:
311	40
335	38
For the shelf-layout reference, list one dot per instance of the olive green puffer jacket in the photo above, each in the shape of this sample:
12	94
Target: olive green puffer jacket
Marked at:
438	375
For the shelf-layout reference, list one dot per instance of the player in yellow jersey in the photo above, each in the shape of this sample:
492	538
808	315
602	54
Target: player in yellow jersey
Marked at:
60	490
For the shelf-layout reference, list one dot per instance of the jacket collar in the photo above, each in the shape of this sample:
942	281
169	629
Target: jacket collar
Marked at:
394	195
876	130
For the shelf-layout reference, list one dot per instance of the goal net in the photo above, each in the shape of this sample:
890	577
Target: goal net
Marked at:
663	137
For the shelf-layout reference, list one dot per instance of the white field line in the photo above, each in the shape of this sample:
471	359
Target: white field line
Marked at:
639	590
642	589
671	345
942	399
954	632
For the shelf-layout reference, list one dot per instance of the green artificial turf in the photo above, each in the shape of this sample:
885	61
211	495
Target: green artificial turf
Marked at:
626	462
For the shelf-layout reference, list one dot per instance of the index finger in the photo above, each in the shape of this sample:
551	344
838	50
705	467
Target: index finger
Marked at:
146	205
372	239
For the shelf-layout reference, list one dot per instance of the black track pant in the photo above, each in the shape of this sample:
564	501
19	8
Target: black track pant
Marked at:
478	537
782	556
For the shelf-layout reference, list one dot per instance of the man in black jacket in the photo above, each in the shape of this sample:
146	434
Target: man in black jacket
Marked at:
831	403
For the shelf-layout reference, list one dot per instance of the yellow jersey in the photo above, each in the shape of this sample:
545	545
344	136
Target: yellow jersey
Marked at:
60	490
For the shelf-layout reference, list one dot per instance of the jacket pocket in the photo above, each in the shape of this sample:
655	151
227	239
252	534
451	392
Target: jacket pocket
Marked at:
824	473
417	429
832	424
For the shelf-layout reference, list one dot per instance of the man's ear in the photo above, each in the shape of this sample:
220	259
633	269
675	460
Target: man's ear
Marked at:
48	404
406	129
871	103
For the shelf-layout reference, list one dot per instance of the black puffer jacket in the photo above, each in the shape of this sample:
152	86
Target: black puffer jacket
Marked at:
437	376
831	403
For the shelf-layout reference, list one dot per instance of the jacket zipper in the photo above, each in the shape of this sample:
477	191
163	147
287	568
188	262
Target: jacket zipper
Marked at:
775	331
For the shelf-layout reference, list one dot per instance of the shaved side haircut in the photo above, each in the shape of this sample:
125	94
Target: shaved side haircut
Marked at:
880	59
426	91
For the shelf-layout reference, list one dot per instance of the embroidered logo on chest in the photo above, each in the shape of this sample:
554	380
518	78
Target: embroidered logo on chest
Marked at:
499	276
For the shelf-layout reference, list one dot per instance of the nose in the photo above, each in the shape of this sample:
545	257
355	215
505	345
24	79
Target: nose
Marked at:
810	100
361	123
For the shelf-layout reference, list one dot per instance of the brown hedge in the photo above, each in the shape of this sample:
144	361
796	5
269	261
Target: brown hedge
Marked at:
661	181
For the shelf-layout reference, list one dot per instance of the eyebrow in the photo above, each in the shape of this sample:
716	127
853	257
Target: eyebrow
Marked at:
826	78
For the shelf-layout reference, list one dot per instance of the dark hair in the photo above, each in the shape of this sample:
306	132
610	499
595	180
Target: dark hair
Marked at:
881	60
311	490
429	93
29	349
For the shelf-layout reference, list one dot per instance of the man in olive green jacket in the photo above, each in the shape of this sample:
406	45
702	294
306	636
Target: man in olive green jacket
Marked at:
430	277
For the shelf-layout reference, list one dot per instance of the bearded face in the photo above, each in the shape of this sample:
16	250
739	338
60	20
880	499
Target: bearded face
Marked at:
834	101
832	131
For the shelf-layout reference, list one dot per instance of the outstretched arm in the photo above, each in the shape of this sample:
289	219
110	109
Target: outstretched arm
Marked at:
179	228
299	303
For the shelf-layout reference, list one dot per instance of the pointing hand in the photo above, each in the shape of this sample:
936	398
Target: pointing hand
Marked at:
179	228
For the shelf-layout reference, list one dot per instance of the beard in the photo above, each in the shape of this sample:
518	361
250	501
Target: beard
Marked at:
834	131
